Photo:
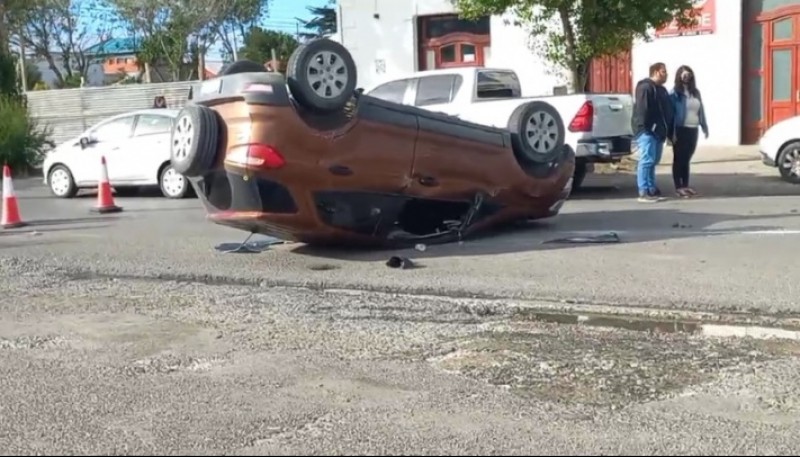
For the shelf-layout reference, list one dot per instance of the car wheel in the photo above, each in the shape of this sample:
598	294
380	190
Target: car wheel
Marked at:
194	141
242	66
322	75
789	162
61	182
537	132
581	169
173	184
127	191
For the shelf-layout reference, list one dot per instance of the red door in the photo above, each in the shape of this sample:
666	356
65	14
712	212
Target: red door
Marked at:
781	68
783	90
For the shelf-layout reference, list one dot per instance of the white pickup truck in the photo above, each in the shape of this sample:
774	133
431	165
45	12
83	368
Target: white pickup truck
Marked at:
598	127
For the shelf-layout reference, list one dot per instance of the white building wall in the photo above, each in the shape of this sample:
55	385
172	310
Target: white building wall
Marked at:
716	61
387	45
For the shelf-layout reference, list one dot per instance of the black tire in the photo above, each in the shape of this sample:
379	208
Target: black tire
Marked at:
339	72
127	191
581	168
537	132
242	66
69	187
788	154
196	157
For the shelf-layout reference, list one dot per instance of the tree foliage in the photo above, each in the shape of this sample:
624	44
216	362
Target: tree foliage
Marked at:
574	32
322	22
179	32
59	31
259	43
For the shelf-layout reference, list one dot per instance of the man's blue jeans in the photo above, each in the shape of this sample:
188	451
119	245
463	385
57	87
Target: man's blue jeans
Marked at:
650	149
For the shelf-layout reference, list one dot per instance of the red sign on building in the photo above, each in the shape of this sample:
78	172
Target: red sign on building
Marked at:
705	21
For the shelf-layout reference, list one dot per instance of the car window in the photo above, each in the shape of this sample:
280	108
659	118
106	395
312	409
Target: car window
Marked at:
393	91
149	124
114	130
437	89
498	84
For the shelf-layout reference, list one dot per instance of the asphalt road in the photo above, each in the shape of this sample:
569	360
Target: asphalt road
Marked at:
130	333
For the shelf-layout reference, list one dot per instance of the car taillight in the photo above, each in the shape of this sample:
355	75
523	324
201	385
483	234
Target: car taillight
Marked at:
256	155
582	122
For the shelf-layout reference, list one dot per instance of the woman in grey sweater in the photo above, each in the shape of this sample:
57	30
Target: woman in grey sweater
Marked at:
690	117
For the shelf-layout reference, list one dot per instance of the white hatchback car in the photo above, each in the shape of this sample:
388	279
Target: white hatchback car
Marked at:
780	147
137	151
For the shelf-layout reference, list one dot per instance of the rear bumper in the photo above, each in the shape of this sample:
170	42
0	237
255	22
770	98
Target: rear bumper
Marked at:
604	149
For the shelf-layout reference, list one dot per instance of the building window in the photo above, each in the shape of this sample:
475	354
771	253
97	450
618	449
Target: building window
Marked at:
448	53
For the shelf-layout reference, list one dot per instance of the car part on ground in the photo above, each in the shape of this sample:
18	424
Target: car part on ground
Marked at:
297	159
173	184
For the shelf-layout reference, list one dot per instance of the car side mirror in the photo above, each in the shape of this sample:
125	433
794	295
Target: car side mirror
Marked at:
86	141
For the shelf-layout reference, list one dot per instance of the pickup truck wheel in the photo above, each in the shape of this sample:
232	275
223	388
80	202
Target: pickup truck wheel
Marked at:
537	132
322	75
194	141
242	66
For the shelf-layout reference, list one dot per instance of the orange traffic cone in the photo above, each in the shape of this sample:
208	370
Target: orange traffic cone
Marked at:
10	218
105	201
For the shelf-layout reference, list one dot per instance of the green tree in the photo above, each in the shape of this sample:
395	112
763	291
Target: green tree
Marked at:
22	142
573	32
322	22
59	31
174	31
259	43
236	19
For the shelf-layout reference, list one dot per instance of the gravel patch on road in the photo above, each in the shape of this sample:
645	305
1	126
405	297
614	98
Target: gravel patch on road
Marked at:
102	364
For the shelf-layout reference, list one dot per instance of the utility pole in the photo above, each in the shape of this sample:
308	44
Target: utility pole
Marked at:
23	74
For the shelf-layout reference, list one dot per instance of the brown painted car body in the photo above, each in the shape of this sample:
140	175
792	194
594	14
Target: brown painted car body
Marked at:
385	174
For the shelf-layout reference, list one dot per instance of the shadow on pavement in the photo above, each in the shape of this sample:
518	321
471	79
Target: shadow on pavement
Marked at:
652	224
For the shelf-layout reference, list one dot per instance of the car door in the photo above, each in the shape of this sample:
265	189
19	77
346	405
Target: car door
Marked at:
391	134
149	146
109	139
445	164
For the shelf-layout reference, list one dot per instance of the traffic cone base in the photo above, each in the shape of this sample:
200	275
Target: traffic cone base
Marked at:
106	209
10	217
105	201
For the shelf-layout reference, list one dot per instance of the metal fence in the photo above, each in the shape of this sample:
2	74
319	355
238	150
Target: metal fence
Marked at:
68	112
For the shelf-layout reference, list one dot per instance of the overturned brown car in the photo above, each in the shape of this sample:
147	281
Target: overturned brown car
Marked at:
308	158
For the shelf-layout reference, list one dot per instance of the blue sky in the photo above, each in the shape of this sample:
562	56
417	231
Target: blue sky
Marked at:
283	13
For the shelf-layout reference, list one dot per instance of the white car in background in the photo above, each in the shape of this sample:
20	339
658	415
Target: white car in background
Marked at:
780	148
136	146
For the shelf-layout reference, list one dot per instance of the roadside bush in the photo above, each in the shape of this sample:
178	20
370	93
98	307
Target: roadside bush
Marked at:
22	142
8	75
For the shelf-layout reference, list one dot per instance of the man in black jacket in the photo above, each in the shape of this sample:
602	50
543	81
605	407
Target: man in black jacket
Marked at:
652	125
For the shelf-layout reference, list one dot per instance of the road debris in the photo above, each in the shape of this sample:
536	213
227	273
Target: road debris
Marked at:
610	237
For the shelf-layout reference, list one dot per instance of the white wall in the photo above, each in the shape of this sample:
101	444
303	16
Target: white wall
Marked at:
387	45
716	61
